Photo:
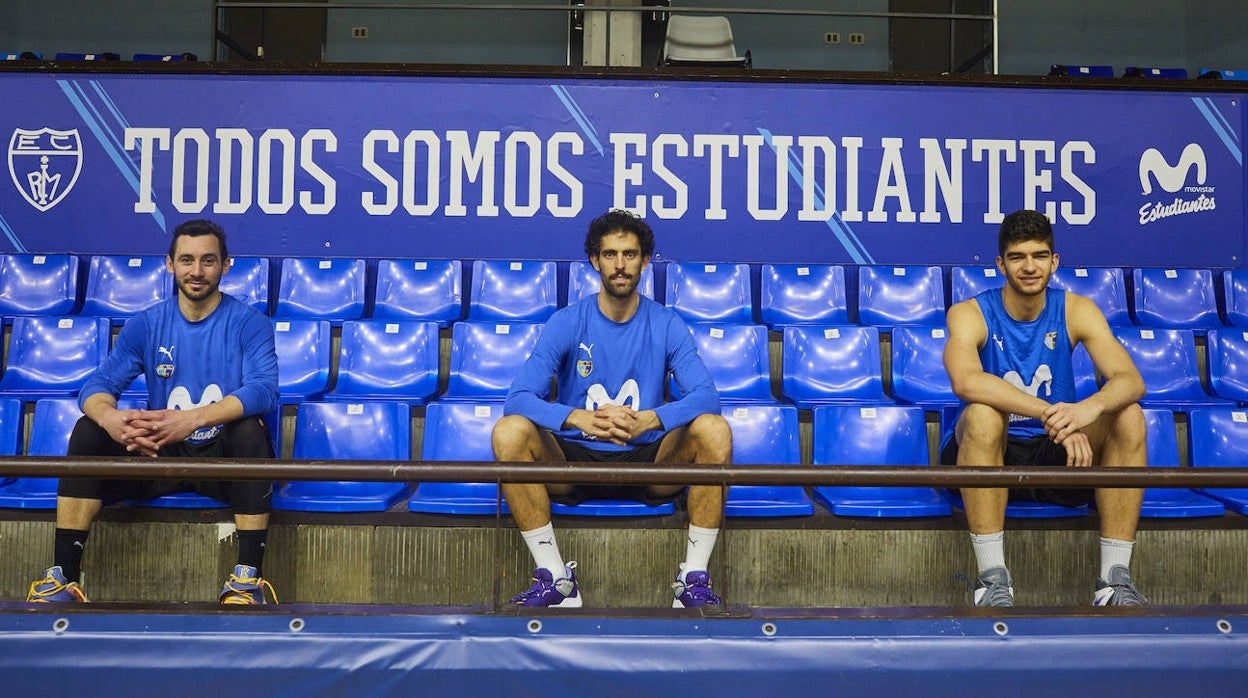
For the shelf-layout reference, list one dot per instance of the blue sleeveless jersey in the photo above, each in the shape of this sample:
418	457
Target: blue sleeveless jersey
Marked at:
1031	356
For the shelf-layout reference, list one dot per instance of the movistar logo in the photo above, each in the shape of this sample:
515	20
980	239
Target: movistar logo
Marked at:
1042	379
629	396
180	399
1172	178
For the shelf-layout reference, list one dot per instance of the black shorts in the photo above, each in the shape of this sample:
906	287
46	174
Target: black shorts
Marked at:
246	438
1035	451
575	452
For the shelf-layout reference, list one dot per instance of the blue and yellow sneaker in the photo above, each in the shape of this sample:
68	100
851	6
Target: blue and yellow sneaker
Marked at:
692	588
54	588
246	588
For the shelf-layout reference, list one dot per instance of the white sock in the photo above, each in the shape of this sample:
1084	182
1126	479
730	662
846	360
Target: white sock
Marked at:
701	545
545	550
1115	552
989	549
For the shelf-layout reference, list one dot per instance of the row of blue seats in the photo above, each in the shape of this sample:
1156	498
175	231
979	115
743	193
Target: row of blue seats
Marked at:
340	289
1107	71
762	434
102	56
400	360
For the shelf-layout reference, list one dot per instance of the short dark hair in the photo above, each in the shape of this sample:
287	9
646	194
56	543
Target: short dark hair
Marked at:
196	228
616	221
1024	226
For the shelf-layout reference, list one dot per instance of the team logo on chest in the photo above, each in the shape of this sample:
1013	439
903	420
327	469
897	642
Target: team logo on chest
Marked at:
1050	340
585	366
164	369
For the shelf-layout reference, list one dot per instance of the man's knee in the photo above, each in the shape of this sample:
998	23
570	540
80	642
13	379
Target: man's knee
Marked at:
249	438
982	426
90	439
712	437
1128	429
512	436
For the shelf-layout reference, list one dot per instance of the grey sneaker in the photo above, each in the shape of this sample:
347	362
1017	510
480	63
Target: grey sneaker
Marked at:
1117	590
994	588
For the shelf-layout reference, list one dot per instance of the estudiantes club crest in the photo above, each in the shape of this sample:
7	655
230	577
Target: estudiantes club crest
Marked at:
44	164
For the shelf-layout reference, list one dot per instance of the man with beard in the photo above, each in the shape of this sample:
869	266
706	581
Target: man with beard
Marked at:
211	373
610	355
1008	356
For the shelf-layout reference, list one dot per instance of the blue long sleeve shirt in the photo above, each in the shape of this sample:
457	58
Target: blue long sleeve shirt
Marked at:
192	364
596	361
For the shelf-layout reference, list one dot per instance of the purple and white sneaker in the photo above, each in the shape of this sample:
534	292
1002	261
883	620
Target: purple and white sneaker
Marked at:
549	592
693	589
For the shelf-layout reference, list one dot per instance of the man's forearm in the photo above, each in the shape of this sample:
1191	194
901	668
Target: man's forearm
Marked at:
987	389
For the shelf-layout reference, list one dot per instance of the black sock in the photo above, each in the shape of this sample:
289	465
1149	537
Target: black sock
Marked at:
67	552
251	548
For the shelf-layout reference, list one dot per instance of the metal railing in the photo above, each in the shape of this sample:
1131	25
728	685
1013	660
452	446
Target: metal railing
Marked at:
622	473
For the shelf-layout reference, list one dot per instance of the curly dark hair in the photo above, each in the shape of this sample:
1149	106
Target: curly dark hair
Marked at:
616	221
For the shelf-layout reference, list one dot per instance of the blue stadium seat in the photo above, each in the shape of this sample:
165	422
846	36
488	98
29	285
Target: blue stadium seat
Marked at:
1226	360
53	356
1167	361
584	281
1219	438
303	359
104	56
736	356
900	295
513	291
1106	286
382	359
50	427
120	286
348	431
966	282
10	431
765	435
802	294
881	435
1223	74
486	357
918	368
718	293
321	289
1235	284
458	431
1085	372
1082	71
416	289
38	284
23	55
1163	452
248	281
165	57
825	365
1168	73
1175	298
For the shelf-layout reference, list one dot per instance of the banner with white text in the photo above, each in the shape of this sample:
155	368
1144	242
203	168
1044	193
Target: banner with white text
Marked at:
432	167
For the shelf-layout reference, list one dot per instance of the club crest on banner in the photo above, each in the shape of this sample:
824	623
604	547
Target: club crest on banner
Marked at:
44	164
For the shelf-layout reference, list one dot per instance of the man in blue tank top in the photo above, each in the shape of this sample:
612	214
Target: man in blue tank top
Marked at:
1008	356
211	373
610	356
